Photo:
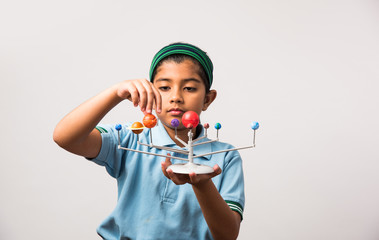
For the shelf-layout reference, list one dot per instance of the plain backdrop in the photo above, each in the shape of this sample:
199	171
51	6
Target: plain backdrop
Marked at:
307	70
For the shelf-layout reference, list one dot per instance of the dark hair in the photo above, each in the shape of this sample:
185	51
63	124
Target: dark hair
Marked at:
179	58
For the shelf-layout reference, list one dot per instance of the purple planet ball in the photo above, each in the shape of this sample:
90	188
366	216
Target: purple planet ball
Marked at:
175	122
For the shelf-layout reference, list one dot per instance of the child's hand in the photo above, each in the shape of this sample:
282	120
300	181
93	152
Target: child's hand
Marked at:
191	178
141	93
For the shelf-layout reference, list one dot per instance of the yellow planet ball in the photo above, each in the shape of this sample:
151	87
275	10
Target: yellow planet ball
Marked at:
135	127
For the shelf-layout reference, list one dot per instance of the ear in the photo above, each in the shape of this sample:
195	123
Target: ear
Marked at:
209	98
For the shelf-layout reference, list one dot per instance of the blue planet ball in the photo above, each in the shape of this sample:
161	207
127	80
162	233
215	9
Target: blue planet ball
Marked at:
254	125
118	127
217	126
175	122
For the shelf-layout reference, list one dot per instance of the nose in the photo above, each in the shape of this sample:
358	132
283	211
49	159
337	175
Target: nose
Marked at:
176	96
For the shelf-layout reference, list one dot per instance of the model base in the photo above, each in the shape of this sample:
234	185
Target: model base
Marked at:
187	168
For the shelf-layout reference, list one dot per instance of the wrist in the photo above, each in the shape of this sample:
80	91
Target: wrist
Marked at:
202	185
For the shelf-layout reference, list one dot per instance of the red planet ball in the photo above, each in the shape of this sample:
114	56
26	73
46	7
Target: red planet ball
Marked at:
190	119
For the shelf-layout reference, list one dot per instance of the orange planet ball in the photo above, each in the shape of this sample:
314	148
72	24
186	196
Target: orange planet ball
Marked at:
149	120
137	125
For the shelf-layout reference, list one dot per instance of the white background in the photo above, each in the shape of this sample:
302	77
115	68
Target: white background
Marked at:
308	71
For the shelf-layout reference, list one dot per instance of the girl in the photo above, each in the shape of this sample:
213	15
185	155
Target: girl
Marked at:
154	202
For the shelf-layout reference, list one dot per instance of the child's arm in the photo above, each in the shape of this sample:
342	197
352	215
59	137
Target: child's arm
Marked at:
76	131
221	220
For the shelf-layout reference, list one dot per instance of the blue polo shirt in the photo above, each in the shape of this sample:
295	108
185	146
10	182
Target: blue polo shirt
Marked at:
149	205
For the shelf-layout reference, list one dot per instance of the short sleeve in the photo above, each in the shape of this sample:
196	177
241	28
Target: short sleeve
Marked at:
110	156
232	185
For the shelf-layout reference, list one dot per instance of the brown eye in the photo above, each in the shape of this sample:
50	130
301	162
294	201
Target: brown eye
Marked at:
190	89
164	88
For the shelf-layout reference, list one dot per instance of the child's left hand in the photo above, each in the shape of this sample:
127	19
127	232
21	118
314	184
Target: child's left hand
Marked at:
191	178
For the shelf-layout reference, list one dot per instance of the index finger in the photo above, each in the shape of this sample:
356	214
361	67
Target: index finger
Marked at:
158	99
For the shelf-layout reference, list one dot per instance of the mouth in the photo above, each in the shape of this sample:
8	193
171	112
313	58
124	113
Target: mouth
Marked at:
176	111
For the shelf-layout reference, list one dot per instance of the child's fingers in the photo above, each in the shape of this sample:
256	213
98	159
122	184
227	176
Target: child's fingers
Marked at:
192	177
171	175
195	179
134	96
158	99
164	168
142	94
149	95
217	170
165	165
175	178
168	159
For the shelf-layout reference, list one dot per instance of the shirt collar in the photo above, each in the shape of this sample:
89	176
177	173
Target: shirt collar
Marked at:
160	137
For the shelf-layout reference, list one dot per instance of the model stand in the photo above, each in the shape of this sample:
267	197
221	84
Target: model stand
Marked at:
190	120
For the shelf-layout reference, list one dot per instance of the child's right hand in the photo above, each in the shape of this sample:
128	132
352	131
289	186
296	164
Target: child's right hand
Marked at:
141	93
76	131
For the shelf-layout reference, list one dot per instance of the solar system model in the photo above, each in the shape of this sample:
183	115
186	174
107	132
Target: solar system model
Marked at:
190	120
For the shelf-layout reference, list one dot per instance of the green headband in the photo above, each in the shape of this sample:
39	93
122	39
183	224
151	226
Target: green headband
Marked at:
186	49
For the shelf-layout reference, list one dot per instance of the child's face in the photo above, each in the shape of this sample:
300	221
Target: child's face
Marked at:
181	89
